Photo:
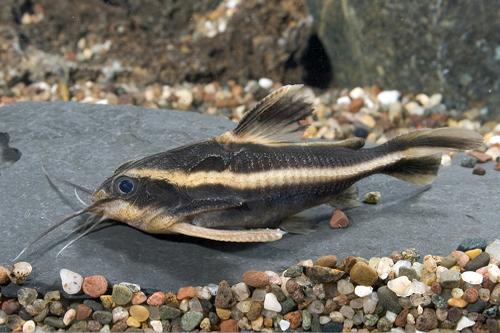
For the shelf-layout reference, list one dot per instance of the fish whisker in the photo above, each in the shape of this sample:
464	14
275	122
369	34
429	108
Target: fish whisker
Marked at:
95	221
79	198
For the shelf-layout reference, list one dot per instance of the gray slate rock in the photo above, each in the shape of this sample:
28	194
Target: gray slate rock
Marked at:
85	143
431	46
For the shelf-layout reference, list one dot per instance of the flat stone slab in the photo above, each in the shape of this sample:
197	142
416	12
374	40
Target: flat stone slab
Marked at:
85	143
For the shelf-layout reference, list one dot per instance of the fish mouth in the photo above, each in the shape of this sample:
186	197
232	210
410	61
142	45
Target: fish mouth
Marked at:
99	195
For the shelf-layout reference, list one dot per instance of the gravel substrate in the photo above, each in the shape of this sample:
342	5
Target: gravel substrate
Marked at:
401	293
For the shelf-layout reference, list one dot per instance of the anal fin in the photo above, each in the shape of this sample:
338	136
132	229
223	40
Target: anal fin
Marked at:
347	199
298	224
237	236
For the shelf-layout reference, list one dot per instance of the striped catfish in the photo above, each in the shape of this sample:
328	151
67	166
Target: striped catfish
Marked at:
240	185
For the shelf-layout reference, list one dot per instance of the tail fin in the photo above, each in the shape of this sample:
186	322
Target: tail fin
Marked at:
422	151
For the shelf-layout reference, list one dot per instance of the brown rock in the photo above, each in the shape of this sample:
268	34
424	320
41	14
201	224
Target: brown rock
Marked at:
119	326
427	320
401	318
11	306
156	299
292	286
223	314
327	261
4	275
480	171
295	319
319	274
171	299
186	292
339	220
230	325
480	156
138	298
454	314
363	274
224	298
356	105
471	295
95	285
436	287
255	311
255	279
348	263
83	311
497	166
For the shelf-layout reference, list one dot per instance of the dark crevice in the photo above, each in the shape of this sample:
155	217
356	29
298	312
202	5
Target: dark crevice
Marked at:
8	155
316	63
18	12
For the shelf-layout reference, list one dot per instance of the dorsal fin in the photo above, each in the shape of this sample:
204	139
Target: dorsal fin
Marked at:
278	117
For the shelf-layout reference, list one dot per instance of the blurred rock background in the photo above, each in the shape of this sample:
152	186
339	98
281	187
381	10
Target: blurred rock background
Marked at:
128	51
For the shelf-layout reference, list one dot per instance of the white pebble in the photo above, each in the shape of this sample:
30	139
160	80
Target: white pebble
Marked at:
156	325
184	99
493	273
71	281
464	322
418	287
440	270
472	277
324	320
344	100
20	272
388	97
391	316
434	100
69	316
265	83
274	278
203	293
417	267
362	291
357	93
119	313
213	288
414	108
134	287
306	263
241	291
29	326
345	287
401	286
271	303
384	267
445	160
105	329
399	264
494	248
284	324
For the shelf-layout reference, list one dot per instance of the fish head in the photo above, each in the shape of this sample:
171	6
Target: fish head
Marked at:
140	202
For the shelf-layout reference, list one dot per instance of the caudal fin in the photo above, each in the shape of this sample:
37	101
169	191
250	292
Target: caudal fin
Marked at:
422	151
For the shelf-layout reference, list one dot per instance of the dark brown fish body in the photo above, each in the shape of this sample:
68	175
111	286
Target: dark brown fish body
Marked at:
238	185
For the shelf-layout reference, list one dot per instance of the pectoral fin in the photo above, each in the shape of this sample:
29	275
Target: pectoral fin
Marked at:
238	236
298	224
347	199
197	206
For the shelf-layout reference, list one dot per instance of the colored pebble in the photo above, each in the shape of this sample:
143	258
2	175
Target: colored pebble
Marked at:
479	171
121	294
94	285
71	281
372	198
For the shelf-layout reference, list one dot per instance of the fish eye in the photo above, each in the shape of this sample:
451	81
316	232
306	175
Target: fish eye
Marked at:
125	185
